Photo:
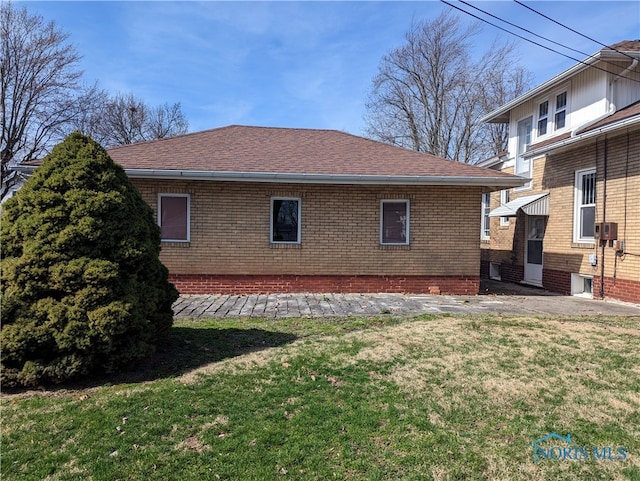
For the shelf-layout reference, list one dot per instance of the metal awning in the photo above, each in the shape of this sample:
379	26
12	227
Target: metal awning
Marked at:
537	204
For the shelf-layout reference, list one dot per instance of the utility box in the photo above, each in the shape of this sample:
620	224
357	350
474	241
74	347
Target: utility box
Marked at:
606	231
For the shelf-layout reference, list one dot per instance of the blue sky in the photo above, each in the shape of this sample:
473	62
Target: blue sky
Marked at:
292	64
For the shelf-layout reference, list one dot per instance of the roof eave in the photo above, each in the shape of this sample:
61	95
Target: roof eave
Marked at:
631	121
165	174
501	114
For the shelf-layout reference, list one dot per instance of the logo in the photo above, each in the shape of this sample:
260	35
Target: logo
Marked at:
562	448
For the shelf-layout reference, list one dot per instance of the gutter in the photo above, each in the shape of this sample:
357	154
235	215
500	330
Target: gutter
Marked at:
587	135
537	90
167	174
577	68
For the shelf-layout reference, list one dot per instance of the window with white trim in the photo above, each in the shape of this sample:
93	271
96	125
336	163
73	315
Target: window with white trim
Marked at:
485	231
504	199
560	117
285	220
523	164
543	117
174	217
585	206
394	222
551	114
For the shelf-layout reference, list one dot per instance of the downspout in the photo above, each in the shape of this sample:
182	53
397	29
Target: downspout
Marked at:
612	105
629	68
604	216
612	108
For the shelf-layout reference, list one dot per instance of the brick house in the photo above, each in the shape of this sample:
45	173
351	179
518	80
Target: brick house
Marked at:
257	209
577	138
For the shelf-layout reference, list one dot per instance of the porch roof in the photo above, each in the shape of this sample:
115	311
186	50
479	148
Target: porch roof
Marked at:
537	204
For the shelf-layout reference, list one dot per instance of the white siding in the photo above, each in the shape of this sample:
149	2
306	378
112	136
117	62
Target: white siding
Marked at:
588	97
626	92
590	94
520	112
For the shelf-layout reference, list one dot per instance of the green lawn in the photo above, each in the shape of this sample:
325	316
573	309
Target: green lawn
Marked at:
425	398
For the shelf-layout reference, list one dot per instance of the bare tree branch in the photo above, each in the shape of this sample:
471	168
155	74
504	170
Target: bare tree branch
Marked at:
126	119
39	81
429	95
43	99
166	121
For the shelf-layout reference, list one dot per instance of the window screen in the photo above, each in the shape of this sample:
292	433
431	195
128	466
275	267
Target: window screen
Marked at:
395	222
285	220
174	217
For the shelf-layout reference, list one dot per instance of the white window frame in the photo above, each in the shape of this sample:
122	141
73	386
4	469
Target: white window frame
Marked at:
557	110
544	118
504	198
299	214
406	223
188	219
551	115
485	220
521	149
578	205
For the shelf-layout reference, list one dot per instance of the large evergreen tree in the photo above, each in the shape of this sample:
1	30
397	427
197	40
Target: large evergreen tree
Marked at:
83	289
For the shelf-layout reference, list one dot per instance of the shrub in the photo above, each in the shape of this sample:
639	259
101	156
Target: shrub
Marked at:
83	289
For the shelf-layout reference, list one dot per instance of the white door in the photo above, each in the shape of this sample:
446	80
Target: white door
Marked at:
533	250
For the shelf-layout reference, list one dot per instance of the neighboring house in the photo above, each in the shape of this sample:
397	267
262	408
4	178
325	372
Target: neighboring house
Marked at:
577	138
256	209
19	179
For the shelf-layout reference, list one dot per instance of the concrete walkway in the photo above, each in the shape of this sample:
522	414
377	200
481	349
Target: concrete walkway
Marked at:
496	298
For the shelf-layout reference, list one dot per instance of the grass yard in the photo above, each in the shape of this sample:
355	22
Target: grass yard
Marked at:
425	398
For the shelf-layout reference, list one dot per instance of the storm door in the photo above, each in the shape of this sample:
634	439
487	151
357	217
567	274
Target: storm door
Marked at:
533	250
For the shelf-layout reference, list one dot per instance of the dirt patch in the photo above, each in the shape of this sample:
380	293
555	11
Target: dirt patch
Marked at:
192	443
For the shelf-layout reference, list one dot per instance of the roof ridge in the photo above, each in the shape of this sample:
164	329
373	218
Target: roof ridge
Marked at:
225	127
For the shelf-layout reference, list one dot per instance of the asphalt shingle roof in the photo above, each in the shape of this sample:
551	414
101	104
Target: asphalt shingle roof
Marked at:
629	112
257	150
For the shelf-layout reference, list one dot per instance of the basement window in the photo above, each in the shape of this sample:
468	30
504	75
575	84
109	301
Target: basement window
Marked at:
581	285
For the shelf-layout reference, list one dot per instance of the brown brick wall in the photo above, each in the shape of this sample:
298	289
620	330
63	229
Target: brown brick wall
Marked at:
340	232
502	247
556	174
557	281
621	289
256	284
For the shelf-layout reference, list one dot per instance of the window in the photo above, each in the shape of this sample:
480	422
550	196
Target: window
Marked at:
504	199
543	117
552	113
561	111
486	220
523	165
585	206
394	222
285	220
581	285
174	217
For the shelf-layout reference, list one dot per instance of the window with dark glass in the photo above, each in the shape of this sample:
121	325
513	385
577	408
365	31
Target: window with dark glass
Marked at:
504	199
394	222
543	117
486	220
585	214
285	220
561	111
173	217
